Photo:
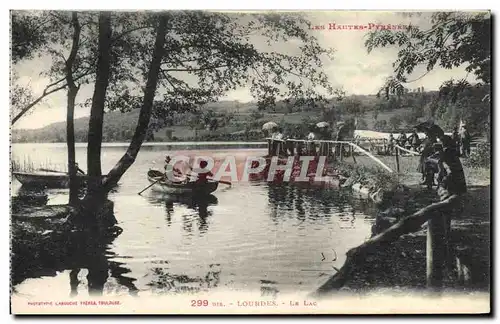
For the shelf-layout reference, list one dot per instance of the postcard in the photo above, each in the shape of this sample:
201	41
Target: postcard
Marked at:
250	162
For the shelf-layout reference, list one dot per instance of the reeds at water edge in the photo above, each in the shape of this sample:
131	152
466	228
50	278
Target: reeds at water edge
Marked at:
28	165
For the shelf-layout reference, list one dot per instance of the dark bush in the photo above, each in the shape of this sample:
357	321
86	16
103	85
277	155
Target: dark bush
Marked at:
480	157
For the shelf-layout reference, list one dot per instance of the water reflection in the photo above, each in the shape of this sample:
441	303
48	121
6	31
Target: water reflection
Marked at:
66	248
306	203
29	196
268	288
197	209
175	239
164	282
99	271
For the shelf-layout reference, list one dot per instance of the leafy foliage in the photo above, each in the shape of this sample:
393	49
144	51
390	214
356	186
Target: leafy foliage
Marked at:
209	54
27	34
381	125
395	121
480	157
454	39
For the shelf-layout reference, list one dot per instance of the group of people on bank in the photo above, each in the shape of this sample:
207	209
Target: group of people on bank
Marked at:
440	155
461	140
278	144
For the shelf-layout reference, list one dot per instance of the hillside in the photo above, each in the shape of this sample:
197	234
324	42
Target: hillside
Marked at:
120	126
232	120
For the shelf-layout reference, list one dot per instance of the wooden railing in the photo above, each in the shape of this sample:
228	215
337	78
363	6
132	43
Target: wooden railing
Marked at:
289	146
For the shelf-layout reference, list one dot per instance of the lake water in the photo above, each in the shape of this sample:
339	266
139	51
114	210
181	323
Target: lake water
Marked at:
252	236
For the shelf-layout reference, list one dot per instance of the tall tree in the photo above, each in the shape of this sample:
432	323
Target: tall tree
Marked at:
71	98
98	102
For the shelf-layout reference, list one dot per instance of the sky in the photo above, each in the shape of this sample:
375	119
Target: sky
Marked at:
352	68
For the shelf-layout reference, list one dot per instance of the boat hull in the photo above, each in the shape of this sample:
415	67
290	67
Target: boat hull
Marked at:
46	179
189	188
43	180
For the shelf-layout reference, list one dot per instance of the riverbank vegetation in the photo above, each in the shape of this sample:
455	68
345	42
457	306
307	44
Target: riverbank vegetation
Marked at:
26	164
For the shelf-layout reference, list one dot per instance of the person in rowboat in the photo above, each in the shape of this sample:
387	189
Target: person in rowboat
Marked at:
203	176
78	170
172	173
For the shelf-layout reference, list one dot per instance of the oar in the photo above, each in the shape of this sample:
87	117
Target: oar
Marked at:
150	185
49	170
223	182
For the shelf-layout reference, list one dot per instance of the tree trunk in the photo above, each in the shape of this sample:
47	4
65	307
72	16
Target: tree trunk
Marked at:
97	109
70	128
70	142
145	114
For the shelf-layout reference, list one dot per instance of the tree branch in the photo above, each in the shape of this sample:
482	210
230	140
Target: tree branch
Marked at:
29	106
113	39
46	92
196	69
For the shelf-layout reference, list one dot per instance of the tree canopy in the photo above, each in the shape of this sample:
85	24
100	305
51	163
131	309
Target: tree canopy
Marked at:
455	38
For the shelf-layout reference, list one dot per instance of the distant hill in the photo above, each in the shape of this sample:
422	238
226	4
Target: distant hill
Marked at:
242	118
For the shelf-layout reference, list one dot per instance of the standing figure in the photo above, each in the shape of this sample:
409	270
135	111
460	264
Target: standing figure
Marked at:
427	150
452	187
414	141
402	139
299	146
311	147
278	138
391	144
342	134
325	135
465	140
455	136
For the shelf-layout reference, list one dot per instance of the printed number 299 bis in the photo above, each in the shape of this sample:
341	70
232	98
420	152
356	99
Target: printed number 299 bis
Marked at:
199	302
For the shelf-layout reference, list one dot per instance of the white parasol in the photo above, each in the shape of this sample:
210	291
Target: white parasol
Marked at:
269	126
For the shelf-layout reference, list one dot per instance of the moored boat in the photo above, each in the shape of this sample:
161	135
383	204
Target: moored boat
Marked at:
165	186
46	179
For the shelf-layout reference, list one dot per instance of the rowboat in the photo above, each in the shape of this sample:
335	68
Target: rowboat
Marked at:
46	179
190	187
43	179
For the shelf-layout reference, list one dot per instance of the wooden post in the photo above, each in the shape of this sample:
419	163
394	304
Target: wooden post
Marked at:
397	159
341	152
436	252
352	153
